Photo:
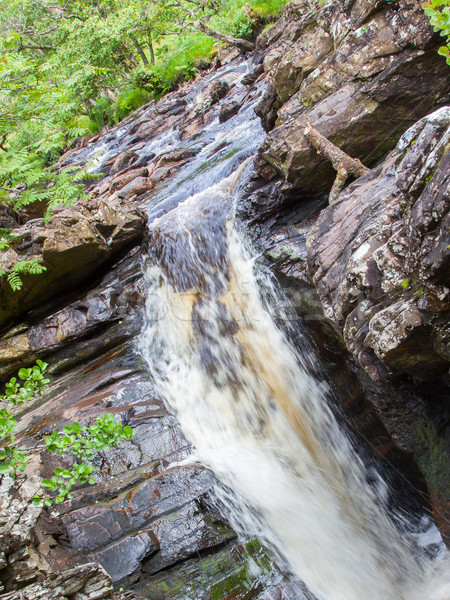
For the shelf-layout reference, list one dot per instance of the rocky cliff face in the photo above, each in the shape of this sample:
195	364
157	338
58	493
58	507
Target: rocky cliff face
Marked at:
361	72
380	261
378	258
376	263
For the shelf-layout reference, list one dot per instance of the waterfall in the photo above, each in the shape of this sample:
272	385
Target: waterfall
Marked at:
259	421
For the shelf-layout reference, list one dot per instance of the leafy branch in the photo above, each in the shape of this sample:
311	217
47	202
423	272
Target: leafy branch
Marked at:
438	11
80	442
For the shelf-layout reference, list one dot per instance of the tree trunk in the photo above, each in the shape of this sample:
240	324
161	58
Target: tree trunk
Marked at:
243	45
139	50
344	164
150	46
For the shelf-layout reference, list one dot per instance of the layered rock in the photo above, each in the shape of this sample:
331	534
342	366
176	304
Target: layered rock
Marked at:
361	72
380	260
72	246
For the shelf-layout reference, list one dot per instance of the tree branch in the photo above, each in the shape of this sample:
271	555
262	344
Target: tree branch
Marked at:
243	45
344	164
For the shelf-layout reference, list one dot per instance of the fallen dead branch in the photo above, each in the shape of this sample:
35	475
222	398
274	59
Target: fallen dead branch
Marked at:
344	164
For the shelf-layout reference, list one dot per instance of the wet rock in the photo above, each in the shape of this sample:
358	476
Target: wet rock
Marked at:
136	187
221	576
360	76
253	76
117	297
158	518
161	173
86	582
380	258
176	156
214	92
72	246
267	108
123	161
125	556
122	180
228	110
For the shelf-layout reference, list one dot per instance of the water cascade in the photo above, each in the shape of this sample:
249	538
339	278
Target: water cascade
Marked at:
257	419
245	397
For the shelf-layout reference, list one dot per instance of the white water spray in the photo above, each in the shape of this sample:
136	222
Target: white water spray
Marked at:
259	421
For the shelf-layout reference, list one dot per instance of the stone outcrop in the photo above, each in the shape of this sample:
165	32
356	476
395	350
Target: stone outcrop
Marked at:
361	72
86	582
380	260
72	246
24	552
380	257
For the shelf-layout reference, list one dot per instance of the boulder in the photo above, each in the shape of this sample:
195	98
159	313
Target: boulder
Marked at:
72	246
214	92
122	180
228	110
136	187
123	162
361	76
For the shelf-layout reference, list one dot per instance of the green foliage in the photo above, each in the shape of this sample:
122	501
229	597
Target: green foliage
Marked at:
5	238
438	11
130	100
33	384
67	69
81	442
30	267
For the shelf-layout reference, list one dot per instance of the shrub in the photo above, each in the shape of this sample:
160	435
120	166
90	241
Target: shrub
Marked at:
81	442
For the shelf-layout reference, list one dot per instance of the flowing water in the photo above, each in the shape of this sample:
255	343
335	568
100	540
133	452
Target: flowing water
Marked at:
244	396
258	420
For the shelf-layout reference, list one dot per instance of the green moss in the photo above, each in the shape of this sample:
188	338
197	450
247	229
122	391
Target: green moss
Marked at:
236	571
433	457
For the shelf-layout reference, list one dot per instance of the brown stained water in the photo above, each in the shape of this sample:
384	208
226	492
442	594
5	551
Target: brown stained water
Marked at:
260	422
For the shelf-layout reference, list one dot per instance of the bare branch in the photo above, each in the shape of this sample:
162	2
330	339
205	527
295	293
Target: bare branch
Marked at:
344	164
243	45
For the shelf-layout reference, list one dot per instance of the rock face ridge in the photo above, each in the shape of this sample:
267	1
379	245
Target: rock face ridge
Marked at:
72	246
380	261
152	527
361	72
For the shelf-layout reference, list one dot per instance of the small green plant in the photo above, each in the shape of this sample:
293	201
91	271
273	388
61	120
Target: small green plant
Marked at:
438	11
29	267
81	442
405	283
419	293
34	383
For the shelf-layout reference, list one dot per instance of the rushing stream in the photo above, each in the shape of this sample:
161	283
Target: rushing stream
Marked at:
258	420
245	398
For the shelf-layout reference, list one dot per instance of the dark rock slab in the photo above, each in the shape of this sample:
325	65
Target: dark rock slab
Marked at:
243	571
72	246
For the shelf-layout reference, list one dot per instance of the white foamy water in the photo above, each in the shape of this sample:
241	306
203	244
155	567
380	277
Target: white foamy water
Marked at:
260	422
